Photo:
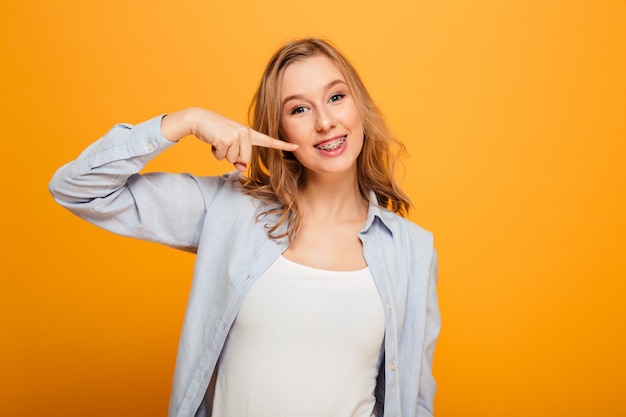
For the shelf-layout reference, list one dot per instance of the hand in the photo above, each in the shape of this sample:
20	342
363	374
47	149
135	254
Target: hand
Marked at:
228	139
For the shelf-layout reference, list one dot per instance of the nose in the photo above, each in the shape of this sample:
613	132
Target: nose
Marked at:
324	121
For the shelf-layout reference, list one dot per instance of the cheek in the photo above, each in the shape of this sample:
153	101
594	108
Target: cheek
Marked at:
292	133
353	117
358	126
361	135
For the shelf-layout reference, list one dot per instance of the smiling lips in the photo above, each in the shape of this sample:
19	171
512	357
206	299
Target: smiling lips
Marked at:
331	145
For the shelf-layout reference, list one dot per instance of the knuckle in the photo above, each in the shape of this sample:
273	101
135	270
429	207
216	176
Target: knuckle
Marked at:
243	131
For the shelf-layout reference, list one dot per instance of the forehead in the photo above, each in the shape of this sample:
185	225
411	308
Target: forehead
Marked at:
308	74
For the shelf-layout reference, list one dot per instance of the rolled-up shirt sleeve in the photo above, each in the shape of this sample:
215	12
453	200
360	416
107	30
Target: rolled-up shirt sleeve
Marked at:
103	186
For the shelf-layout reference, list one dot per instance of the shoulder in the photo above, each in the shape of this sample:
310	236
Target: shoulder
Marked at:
404	230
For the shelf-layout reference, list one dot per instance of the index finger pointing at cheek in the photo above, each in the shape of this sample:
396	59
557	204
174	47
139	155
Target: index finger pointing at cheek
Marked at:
259	139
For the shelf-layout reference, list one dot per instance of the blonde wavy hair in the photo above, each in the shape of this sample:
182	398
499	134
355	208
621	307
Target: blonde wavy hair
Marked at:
274	176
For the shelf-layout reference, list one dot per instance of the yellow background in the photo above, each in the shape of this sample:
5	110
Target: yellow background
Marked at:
514	113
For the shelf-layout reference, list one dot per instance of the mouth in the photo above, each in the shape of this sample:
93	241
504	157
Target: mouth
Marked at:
331	145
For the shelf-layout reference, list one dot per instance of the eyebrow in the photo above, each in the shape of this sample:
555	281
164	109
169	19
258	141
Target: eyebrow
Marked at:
326	88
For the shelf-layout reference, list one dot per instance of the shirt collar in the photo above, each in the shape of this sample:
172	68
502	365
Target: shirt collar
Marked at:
375	211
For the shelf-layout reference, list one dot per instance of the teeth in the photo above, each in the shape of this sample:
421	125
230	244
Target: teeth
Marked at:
332	145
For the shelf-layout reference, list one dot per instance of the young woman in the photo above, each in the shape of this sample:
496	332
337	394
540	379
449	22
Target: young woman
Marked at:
312	295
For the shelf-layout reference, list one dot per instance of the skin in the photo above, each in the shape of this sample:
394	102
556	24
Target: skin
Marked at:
228	139
317	109
317	106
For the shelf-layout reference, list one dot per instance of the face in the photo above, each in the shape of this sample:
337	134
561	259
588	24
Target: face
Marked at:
319	113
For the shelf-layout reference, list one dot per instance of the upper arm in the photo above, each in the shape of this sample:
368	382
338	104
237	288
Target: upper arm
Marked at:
103	187
431	333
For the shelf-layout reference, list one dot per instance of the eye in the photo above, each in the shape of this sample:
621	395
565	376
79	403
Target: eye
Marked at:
336	97
298	110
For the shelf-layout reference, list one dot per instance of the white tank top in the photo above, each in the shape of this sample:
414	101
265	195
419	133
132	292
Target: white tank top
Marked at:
306	343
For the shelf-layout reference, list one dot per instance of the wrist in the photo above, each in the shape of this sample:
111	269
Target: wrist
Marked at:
177	125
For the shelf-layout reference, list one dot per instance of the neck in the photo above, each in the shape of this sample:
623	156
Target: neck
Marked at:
332	198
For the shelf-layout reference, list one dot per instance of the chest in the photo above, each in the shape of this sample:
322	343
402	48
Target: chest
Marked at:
328	246
318	305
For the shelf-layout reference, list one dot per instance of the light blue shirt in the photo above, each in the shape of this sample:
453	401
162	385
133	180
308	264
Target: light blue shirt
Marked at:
212	217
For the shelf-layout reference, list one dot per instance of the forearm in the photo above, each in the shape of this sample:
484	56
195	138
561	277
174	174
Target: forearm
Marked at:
106	164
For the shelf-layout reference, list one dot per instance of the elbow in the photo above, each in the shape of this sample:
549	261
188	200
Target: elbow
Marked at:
58	186
55	186
64	190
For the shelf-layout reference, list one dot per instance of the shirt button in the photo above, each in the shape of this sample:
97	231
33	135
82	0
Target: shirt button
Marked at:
388	306
150	146
392	367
